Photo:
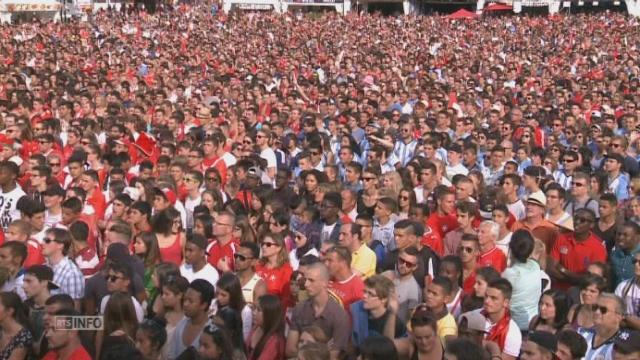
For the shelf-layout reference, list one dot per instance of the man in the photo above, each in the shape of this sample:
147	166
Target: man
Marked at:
119	232
12	256
266	152
39	177
119	276
322	310
607	224
139	216
556	199
82	254
222	249
165	197
428	179
580	188
454	161
571	345
373	316
573	252
89	182
534	220
345	283
540	345
465	212
245	260
609	312
618	181
406	287
619	145
64	343
385	219
349	204
494	171
330	217
510	186
10	193
444	219
499	326
192	183
627	246
363	259
53	198
366	232
76	169
468	252
490	254
353	172
195	305
195	264
66	274
405	148
464	189
564	177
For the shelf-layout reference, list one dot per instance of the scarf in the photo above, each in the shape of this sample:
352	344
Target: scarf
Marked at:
498	333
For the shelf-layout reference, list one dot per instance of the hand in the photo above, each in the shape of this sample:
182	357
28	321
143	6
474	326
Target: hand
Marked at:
223	264
492	348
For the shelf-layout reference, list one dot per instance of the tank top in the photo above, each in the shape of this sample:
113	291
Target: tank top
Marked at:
247	289
172	253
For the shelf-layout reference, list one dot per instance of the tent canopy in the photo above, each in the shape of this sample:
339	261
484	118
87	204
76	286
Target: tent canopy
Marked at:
462	14
29	5
498	7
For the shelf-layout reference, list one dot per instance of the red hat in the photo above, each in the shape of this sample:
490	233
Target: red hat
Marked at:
145	144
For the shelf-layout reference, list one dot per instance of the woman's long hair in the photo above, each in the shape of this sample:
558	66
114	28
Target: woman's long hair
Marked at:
120	314
230	283
11	300
152	256
272	323
283	256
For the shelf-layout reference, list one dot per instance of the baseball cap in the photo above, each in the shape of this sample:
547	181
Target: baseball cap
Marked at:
537	198
43	273
254	171
545	340
474	320
54	190
167	193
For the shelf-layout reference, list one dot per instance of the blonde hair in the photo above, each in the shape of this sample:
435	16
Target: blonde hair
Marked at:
539	253
396	183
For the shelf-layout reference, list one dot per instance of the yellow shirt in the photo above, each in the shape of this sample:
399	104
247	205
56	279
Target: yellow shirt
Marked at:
447	326
363	261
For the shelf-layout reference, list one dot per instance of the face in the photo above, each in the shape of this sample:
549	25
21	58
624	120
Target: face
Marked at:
563	352
627	238
406	263
223	297
606	313
208	348
192	303
243	259
606	209
582	222
270	247
32	286
589	295
426	338
314	283
144	344
435	297
480	287
192	253
170	299
531	351
58	339
117	282
448	203
494	301
547	308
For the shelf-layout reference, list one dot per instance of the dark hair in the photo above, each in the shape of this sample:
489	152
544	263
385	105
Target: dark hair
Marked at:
155	329
152	256
503	285
378	348
574	341
592	279
488	273
162	222
521	245
79	231
457	264
11	300
205	289
207	222
175	284
120	314
561	303
65	301
273	321
230	283
444	283
221	338
465	349
255	249
17	249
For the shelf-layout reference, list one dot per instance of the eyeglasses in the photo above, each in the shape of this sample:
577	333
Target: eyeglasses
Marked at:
568	160
268	244
49	240
466	249
406	263
240	257
403	198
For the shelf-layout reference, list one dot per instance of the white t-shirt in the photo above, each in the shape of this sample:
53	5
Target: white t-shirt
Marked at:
629	291
208	273
455	170
8	202
513	342
269	155
517	209
136	305
190	205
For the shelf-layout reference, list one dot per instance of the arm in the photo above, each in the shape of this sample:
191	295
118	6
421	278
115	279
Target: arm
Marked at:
390	325
559	272
19	353
259	290
291	349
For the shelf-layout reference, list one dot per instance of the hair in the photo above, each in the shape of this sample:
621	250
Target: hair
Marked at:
74	204
283	256
253	247
61	236
381	285
79	231
343	254
494	227
273	321
314	351
574	341
620	308
230	283
612	199
248	233
221	338
457	264
164	271
152	256
205	289
592	279
155	329
521	245
162	222
465	349
11	300
65	301
378	348
123	230
17	249
561	304
503	285
424	318
120	314
444	283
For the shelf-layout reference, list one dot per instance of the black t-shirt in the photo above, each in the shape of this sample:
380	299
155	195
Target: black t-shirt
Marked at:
377	325
608	236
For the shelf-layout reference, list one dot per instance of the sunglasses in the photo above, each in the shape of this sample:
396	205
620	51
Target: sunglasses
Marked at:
268	244
406	263
603	309
466	249
49	241
241	257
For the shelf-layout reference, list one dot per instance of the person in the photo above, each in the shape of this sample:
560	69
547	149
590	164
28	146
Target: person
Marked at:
556	200
607	319
406	287
320	309
499	326
552	313
145	246
266	340
38	283
14	324
629	292
195	261
437	295
10	194
572	252
580	190
166	224
535	222
214	344
622	257
423	342
451	268
468	253
195	304
524	276
20	230
377	348
120	325
151	337
540	345
119	278
66	274
627	346
224	246
229	309
363	259
345	283
377	313
571	345
172	290
274	267
489	254
464	212
65	343
607	225
253	286
12	257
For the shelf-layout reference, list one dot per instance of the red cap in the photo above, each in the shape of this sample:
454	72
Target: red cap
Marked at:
145	144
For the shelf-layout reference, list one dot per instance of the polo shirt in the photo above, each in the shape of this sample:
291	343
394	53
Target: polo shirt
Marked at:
363	261
576	256
622	264
349	291
334	321
442	224
494	258
217	252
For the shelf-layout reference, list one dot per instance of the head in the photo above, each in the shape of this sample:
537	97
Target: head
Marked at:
498	296
377	291
197	298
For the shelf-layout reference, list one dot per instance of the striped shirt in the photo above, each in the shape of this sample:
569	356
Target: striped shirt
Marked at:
602	352
69	278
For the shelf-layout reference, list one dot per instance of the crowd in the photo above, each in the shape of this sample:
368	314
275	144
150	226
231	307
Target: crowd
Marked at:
262	186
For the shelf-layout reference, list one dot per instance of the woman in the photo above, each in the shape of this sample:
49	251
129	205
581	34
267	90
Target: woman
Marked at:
377	348
120	324
599	184
229	297
16	341
478	182
151	337
524	275
274	266
304	246
145	246
173	289
94	157
553	311
311	179
484	276
215	344
581	313
424	342
406	200
203	225
243	230
161	273
212	200
167	227
267	341
393	182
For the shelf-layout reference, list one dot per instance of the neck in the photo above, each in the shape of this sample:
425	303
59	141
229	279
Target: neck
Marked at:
9	187
605	332
378	312
486	247
382	220
200	318
344	274
321	299
55	210
194	193
245	275
224	239
198	265
582	236
555	211
331	220
41	298
469	265
533	221
495	317
608	219
55	259
614	174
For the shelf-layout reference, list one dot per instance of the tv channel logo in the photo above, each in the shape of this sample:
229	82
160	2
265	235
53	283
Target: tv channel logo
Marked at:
81	323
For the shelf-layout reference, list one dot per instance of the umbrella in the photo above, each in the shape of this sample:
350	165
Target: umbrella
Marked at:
462	14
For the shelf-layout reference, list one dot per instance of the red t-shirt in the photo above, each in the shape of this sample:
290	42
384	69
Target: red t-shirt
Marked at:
78	354
218	251
442	224
433	240
34	254
349	291
576	256
277	281
467	284
494	258
98	202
